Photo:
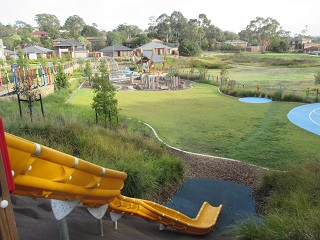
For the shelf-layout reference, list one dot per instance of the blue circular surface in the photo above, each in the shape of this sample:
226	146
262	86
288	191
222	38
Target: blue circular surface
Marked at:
306	117
255	100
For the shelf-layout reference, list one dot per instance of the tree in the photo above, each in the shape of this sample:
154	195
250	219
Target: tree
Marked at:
48	23
23	25
84	41
128	31
177	22
189	48
140	40
224	74
104	102
90	31
163	28
115	37
60	79
22	60
74	24
261	31
88	70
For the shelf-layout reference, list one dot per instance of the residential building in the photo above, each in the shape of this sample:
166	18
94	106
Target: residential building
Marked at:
35	52
300	43
159	48
117	51
238	43
254	49
2	48
39	34
70	46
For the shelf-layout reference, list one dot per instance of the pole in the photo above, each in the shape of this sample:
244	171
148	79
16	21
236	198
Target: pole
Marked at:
41	105
30	107
100	227
63	228
19	105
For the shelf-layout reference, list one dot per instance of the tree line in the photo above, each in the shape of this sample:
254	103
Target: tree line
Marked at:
192	35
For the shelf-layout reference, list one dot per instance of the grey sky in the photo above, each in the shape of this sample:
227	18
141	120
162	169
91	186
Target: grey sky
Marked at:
293	15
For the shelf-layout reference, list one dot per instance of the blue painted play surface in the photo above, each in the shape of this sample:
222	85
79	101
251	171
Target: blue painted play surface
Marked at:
255	100
237	200
307	117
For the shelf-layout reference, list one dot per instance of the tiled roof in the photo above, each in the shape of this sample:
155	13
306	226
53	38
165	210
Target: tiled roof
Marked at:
152	45
69	43
37	49
40	33
117	47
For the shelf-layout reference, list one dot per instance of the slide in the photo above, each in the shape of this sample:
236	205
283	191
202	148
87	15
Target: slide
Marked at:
40	171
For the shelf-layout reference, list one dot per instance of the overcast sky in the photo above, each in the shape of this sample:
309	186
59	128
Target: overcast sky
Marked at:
231	15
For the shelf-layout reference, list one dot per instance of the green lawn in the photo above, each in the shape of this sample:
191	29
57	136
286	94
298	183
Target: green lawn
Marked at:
204	121
296	80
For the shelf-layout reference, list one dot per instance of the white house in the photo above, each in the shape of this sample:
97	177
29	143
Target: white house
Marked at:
1	49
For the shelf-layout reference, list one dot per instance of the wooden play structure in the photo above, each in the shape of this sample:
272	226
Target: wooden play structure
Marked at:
146	61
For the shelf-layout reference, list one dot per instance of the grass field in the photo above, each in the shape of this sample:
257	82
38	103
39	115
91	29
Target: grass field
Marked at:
204	121
294	73
291	80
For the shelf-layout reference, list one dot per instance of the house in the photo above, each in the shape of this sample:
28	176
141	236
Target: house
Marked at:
73	47
312	49
10	54
159	48
117	51
238	43
254	49
2	48
39	34
35	52
94	40
299	43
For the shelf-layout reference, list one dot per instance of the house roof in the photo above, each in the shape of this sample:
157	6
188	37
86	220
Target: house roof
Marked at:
235	41
39	33
152	45
76	49
156	57
8	52
116	48
36	49
69	43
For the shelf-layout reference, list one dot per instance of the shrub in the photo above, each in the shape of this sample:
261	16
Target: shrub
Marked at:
291	97
276	96
293	208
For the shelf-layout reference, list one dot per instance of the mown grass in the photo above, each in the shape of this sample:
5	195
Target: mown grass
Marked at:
72	129
204	121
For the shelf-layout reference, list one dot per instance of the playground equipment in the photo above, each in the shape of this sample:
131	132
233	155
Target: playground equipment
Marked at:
146	61
113	68
160	82
40	171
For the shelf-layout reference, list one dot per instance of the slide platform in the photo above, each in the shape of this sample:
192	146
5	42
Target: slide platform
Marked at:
40	171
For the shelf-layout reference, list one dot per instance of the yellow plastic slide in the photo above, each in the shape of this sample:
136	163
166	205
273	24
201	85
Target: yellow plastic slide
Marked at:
40	171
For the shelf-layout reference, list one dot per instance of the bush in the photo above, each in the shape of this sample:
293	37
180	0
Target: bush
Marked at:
276	96
293	208
292	98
